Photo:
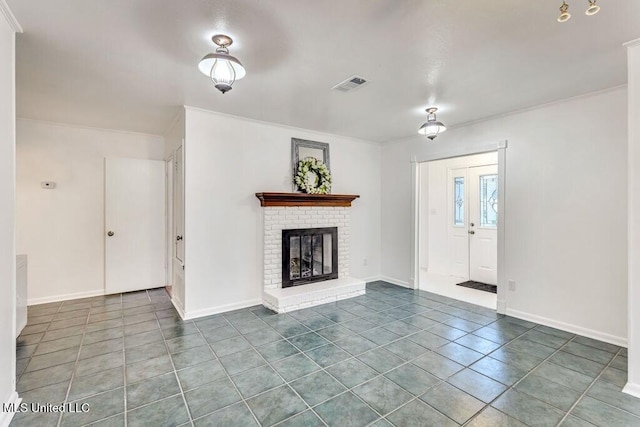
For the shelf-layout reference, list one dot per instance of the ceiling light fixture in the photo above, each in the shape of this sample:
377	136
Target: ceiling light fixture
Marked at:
222	68
432	127
592	9
564	13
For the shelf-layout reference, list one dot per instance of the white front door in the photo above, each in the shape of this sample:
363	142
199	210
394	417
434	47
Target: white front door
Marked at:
134	224
483	224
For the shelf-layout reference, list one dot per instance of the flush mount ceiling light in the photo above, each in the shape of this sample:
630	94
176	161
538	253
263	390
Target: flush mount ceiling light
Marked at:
222	68
564	13
592	9
432	127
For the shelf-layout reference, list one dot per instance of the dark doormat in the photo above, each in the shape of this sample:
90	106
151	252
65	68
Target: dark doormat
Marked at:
479	286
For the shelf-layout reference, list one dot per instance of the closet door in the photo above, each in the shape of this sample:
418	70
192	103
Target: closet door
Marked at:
134	224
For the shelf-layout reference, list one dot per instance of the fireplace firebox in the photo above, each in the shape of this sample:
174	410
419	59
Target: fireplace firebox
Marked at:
309	255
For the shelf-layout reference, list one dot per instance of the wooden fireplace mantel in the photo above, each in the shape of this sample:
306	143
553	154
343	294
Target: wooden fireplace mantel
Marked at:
303	199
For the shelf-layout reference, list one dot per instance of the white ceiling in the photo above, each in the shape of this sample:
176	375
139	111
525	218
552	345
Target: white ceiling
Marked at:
129	65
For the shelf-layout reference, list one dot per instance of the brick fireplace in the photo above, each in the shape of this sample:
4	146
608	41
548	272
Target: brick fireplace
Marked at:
285	211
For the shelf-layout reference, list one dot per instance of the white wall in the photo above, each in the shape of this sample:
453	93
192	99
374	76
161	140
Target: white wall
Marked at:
62	230
228	160
633	387
566	209
7	218
434	216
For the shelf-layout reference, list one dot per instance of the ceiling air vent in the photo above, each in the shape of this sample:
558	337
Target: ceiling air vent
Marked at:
351	83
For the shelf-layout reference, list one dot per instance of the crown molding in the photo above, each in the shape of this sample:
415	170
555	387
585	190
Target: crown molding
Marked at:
10	17
632	43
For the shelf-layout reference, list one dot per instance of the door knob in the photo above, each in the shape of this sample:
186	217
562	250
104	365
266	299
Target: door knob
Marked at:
110	233
178	238
472	224
472	232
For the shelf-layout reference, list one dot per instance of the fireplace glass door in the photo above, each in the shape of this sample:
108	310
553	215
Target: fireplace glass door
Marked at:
309	255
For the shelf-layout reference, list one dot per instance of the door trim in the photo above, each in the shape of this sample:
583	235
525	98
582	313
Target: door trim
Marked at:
500	148
168	262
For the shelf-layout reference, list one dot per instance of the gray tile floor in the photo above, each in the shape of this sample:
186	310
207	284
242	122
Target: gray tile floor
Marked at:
392	357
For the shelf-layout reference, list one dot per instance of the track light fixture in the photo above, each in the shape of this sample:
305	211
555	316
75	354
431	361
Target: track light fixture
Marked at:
592	9
564	13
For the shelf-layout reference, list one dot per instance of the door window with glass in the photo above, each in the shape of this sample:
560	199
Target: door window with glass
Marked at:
458	201
489	201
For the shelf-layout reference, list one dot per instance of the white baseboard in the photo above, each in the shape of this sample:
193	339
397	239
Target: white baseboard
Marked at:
6	417
575	329
395	281
179	308
20	324
501	307
65	297
188	315
371	279
632	389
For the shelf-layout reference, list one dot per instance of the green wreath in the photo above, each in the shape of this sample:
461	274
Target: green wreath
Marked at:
313	176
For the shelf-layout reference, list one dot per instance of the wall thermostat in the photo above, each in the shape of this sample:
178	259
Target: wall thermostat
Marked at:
48	185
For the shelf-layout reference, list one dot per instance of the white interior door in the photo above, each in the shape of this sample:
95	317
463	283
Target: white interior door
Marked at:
483	224
134	224
458	235
178	204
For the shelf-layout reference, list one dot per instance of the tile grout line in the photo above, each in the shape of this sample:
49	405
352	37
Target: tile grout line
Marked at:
513	386
378	346
267	363
40	340
75	364
401	303
324	369
589	388
352	357
441	381
80	347
469	367
175	372
124	363
548	359
242	399
355	333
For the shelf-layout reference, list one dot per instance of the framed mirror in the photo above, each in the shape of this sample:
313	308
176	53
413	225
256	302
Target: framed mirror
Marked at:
301	149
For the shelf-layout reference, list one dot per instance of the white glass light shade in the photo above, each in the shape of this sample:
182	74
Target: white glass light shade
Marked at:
223	69
208	61
431	129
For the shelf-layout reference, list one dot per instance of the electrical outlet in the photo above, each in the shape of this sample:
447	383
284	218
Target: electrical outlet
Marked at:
364	262
512	285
